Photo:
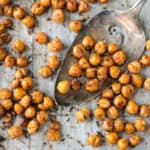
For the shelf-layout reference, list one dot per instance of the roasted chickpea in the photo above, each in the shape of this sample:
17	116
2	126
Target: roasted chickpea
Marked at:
107	61
3	54
140	125
18	93
112	48
148	45
6	37
108	93
111	138
45	3
58	4
63	87
18	109
37	96
120	102
7	118
108	125
100	47
75	85
71	5
119	57
30	112
53	135
42	117
55	45
53	62
27	83
45	72
41	38
92	85
99	113
32	126
75	70
22	61
119	125
145	60
122	144
104	103
129	128
137	80
25	101
102	73
58	16
7	23
112	112
55	125
94	59
18	13
144	110
83	6
10	61
37	9
116	87
5	93
1	40
82	114
83	62
132	107
135	140
18	46
78	51
94	140
4	2
29	21
7	104
20	73
103	1
2	111
147	84
124	78
88	41
75	25
134	67
114	71
8	10
15	131
91	72
128	90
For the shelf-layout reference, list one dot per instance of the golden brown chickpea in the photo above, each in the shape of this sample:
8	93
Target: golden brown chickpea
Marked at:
22	61
55	125
15	131
102	73
128	90
135	140
145	60
63	87
20	73
53	62
7	104
2	111
1	41
107	61
30	112
144	110
119	57
7	23
83	62
83	6
91	72
134	67
55	45
58	16
94	140
27	83
18	109
3	54
29	21
88	41
104	103
75	85
32	126
45	3
124	78
119	125
112	48
103	1
71	5
114	71
10	61
122	144
94	59
147	84
18	93
129	128
112	112
41	38
75	70
92	85
108	93
108	125
6	37
78	51
100	47
58	4
37	9
7	118
132	107
148	45
111	137
5	93
116	87
4	2
19	13
120	102
137	80
8	10
25	101
53	135
75	25
42	117
99	113
45	72
37	96
140	125
82	114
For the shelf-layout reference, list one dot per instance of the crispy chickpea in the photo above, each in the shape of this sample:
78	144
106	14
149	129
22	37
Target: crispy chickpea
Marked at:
37	9
71	5
53	62
78	51
82	114
7	23
42	117
1	40
15	131
140	125
94	140
99	113
116	87
134	67
29	21
132	107
128	90
53	135
37	96
45	3
129	128
134	140
15	83
63	87
75	85
144	110
32	126
58	16
94	59
88	41
18	93
18	109
83	62
55	125
55	45
147	84
18	46
6	37
137	80
124	78
108	125
45	72
107	61
92	85
83	6
91	72
75	25
122	144
27	83
145	60
10	61
41	38
75	70
100	47
112	48
108	93
112	112
120	102
111	137
4	2
114	71
148	45
18	13
2	111
5	93
30	112
3	54
7	118
22	61
102	73
20	73
103	1
119	57
104	103
58	4
119	125
7	104
8	10
25	101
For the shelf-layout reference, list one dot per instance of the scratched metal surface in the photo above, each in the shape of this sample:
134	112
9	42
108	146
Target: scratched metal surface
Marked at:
74	135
